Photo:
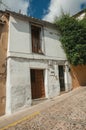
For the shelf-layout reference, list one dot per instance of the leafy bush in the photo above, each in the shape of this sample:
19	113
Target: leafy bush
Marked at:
73	38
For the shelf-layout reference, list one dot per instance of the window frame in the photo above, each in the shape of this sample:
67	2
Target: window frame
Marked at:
40	50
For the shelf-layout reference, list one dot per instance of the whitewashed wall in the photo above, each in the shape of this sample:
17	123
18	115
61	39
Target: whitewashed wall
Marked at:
20	41
53	47
21	60
18	85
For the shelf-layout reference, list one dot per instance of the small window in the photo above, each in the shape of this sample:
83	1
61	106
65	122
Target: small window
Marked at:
36	39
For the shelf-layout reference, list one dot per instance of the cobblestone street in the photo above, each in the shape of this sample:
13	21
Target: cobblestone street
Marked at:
67	114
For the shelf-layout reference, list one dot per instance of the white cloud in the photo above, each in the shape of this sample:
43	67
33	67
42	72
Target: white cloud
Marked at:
68	6
16	5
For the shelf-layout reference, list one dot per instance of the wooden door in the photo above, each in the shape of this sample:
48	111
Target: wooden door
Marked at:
37	84
61	78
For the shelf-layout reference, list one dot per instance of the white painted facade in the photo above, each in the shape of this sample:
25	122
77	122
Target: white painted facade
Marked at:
20	60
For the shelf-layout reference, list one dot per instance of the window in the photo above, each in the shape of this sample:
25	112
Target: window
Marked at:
36	39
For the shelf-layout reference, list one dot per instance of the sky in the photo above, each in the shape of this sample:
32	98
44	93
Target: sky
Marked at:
45	9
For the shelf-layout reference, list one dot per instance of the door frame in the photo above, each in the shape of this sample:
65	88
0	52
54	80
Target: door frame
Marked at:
63	78
43	81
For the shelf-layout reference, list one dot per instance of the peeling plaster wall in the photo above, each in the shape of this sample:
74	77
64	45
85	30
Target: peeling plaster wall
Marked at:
21	60
54	85
18	85
3	55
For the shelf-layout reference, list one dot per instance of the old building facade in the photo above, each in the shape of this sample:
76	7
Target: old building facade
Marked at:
35	63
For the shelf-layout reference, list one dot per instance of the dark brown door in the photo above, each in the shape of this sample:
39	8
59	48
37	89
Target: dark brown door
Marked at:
37	84
61	78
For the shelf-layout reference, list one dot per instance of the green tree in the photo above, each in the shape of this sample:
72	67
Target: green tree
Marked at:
73	38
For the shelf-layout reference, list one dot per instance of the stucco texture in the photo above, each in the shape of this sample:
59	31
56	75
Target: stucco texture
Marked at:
3	53
78	74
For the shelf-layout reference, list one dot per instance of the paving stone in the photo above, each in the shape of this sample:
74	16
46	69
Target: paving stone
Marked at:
69	114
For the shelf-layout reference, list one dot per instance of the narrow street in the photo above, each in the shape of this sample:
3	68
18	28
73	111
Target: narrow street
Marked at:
65	112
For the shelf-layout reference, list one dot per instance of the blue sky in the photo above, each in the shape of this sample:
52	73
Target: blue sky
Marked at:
49	9
38	8
45	9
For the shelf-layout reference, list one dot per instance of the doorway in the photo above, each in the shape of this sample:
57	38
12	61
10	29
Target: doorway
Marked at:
61	78
37	83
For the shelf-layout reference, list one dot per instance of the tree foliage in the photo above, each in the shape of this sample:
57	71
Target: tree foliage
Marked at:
73	38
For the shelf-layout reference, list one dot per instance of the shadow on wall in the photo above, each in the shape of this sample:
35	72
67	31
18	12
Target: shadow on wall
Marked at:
78	74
